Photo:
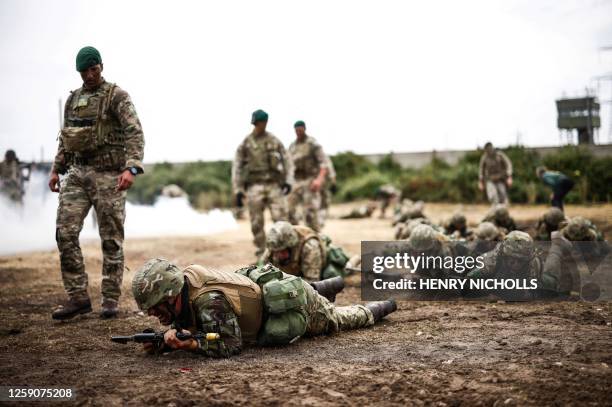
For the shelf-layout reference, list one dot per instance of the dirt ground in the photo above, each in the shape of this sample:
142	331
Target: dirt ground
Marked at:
427	353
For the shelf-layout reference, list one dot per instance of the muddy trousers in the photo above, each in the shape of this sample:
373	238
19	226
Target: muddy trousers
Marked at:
82	188
325	318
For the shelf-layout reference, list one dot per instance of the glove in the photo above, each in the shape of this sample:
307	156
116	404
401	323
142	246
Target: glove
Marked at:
286	188
240	199
333	188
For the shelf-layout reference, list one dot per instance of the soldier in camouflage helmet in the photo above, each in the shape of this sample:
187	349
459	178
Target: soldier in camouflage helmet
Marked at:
310	172
403	230
554	219
484	239
300	251
456	227
581	229
263	173
100	151
426	241
202	300
361	212
516	257
409	210
500	217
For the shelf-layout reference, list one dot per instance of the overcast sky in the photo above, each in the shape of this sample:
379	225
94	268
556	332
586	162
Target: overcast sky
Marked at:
367	76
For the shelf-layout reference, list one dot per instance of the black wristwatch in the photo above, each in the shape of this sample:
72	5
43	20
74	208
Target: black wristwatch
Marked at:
133	170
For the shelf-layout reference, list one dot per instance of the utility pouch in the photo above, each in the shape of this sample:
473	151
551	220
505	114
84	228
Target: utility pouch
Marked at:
79	139
284	295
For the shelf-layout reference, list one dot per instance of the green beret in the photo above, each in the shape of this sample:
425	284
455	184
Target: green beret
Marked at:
259	116
299	123
87	57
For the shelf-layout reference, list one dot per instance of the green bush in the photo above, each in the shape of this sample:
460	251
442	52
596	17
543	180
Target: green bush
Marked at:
208	184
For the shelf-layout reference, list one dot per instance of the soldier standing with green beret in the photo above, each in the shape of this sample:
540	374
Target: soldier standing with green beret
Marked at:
262	172
100	152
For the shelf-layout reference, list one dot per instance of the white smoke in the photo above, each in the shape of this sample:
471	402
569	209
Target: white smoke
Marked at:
31	226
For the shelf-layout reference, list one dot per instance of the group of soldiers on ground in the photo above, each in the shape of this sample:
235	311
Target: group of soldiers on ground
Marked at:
100	152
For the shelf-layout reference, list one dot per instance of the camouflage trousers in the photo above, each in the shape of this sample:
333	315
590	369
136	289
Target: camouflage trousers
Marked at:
496	192
82	188
325	318
11	190
310	201
260	197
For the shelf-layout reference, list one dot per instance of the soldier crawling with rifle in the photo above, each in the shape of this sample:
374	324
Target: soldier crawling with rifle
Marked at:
215	313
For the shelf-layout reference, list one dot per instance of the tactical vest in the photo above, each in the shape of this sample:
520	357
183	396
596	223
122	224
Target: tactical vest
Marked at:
241	292
91	134
304	159
304	234
262	160
495	167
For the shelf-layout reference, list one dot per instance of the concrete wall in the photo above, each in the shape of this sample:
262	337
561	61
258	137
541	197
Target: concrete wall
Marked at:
420	159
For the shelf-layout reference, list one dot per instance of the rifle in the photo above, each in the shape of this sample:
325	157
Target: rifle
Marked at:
157	338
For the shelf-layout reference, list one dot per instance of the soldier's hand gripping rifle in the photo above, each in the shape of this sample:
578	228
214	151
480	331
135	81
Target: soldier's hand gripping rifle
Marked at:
157	338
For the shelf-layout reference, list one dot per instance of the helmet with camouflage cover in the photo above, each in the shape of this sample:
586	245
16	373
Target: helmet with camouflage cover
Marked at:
423	238
518	244
580	229
281	236
501	213
487	231
155	281
458	220
553	217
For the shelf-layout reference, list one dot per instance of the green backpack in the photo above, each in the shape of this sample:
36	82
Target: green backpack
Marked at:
284	298
336	260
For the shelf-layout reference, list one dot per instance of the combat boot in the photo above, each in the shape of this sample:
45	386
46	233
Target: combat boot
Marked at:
328	288
380	309
71	309
109	309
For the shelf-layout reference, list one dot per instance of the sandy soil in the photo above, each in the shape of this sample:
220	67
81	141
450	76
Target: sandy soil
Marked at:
427	353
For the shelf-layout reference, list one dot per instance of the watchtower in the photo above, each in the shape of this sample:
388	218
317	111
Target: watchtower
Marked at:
581	114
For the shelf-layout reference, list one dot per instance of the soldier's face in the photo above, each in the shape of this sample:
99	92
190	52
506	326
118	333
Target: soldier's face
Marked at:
300	132
92	76
281	256
260	127
162	312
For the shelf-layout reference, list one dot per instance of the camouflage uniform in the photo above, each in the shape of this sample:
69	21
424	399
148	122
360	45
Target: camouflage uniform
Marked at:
387	195
409	210
327	190
364	211
516	257
308	159
494	170
213	307
261	166
310	255
456	227
550	222
11	180
500	217
91	180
